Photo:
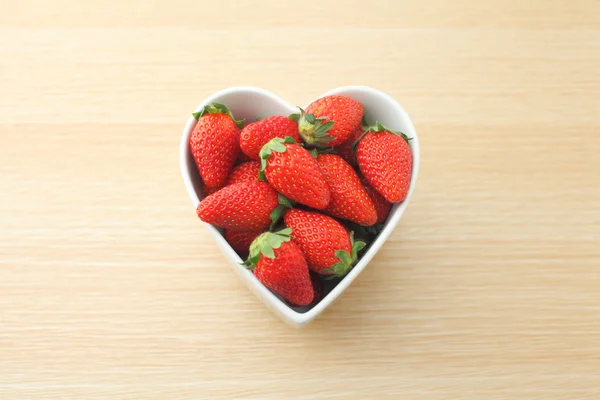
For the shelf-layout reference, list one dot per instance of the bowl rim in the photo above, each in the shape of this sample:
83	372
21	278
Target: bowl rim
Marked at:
290	315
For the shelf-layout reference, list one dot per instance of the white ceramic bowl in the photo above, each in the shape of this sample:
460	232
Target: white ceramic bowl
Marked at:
250	103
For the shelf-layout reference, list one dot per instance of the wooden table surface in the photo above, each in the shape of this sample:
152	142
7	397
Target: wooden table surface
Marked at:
111	288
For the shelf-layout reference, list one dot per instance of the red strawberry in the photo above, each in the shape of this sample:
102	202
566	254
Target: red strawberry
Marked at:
348	197
245	206
346	150
294	172
279	264
240	241
382	206
244	172
329	249
255	135
385	159
215	143
329	120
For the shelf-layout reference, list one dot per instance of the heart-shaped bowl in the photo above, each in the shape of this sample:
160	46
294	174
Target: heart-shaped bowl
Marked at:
250	103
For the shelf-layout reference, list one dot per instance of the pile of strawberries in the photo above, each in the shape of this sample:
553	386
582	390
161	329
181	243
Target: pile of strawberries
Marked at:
323	170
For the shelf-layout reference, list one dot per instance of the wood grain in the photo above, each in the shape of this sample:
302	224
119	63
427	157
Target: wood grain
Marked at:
111	288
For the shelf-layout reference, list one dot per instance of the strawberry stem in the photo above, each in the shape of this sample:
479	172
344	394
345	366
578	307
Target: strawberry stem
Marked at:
313	130
284	204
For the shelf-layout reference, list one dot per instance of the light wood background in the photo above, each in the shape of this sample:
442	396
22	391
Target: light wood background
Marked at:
110	288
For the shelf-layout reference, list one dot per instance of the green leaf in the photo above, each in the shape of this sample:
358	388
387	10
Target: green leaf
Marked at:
276	215
278	212
264	245
274	241
355	143
358	246
255	251
379	127
284	232
278	147
284	201
261	173
296	117
218	108
363	121
344	257
326	126
336	269
267	251
313	130
197	115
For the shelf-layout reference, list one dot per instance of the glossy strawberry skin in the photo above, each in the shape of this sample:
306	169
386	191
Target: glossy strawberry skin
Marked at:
348	197
240	241
287	274
345	112
255	135
244	172
382	206
346	151
318	236
245	206
215	144
295	174
385	160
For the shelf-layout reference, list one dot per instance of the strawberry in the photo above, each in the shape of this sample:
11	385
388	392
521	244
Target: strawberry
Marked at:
255	135
279	264
244	206
294	172
346	149
329	249
240	241
215	143
348	197
385	160
244	172
382	206
329	120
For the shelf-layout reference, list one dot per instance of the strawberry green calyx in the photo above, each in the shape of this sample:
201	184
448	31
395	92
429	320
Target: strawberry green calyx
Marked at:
284	204
321	150
218	108
379	127
313	130
265	244
347	260
363	123
275	144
